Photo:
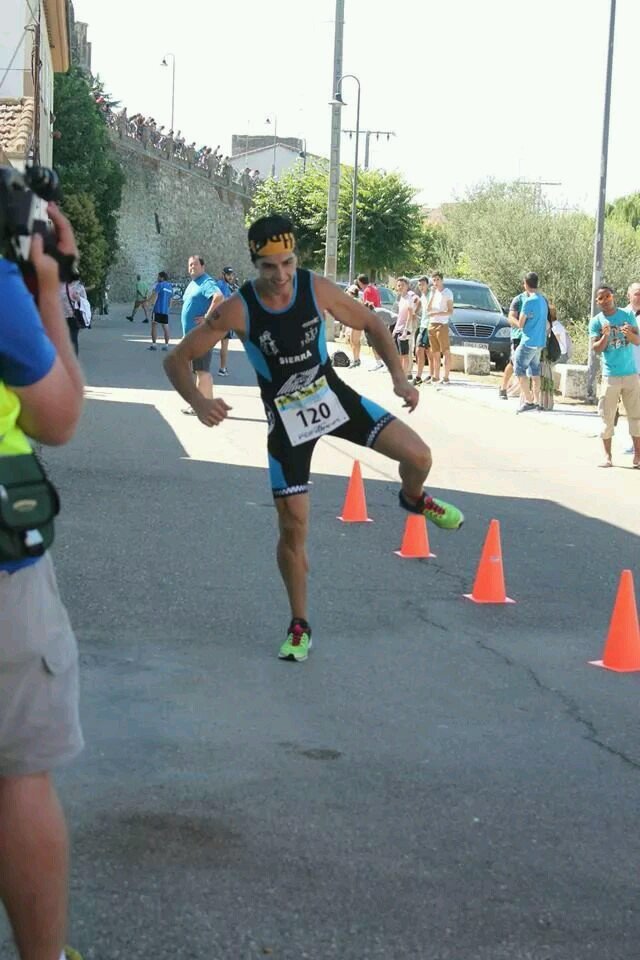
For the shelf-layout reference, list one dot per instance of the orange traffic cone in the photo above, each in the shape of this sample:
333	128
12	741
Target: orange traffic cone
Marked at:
488	586
355	504
622	649
415	542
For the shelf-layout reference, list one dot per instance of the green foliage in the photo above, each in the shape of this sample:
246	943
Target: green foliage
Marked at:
84	156
388	221
626	210
501	231
81	211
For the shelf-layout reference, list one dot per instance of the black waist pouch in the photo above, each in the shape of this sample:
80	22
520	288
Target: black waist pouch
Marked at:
28	504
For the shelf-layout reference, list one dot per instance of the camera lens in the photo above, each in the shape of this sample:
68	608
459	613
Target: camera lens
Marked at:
44	182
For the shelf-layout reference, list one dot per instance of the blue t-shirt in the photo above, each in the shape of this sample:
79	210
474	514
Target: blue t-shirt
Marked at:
536	311
164	292
26	353
196	300
224	287
618	358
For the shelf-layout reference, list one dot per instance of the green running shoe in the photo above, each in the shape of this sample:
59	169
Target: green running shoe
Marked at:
443	514
298	643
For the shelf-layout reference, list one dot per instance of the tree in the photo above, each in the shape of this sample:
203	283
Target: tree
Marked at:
625	210
388	221
92	245
84	157
500	231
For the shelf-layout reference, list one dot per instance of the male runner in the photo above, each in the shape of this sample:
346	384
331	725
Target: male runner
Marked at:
160	302
280	318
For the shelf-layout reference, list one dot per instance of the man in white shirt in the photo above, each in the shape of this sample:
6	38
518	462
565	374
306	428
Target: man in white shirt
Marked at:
633	307
423	353
440	309
405	324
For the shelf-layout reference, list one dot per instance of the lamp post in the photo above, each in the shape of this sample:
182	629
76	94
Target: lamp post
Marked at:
303	154
173	83
338	100
275	143
598	252
331	249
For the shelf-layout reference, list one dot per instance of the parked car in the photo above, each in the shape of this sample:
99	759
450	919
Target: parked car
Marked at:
478	319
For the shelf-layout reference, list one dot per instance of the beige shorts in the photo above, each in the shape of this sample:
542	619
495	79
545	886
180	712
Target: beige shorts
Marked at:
439	337
611	390
39	724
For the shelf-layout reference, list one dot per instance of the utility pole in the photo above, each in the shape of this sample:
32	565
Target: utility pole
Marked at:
539	184
598	252
331	252
367	136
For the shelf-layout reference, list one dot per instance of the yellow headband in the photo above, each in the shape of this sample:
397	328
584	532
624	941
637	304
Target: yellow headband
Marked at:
281	243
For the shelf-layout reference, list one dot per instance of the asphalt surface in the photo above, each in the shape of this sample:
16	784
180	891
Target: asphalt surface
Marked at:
440	781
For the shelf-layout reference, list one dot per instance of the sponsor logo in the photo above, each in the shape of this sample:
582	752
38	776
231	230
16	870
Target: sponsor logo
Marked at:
310	336
298	381
268	344
271	417
299	358
311	323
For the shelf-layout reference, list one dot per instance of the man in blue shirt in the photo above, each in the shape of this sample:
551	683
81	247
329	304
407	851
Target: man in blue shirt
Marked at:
201	297
41	395
228	286
614	333
533	322
160	305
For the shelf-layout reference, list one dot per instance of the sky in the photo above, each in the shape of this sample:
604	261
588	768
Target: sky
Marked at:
502	89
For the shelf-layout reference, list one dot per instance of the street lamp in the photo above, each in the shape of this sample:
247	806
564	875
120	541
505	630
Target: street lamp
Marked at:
593	362
173	83
338	101
275	143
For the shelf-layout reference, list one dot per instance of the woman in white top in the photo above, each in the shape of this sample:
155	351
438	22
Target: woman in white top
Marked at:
70	296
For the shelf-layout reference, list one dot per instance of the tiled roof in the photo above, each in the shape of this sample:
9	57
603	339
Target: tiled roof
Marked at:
16	125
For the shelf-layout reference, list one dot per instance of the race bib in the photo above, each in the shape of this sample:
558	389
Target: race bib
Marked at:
310	412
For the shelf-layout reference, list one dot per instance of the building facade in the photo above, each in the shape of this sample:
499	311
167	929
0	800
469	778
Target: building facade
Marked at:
34	44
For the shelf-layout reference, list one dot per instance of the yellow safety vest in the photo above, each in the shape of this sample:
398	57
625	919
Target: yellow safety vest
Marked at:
13	440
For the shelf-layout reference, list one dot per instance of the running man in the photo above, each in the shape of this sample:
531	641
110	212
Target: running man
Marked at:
160	302
279	317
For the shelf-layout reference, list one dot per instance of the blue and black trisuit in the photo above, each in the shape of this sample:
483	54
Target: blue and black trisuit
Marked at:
304	398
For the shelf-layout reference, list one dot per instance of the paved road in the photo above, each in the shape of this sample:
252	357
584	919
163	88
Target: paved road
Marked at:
440	781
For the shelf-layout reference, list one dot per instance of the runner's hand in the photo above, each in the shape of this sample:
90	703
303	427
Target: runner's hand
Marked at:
212	412
407	392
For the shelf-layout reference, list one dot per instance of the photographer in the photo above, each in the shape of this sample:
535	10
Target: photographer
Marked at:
41	394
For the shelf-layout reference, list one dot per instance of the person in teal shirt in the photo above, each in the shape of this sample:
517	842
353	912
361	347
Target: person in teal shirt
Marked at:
614	333
201	296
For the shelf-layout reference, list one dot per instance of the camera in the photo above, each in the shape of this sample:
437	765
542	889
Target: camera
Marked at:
18	192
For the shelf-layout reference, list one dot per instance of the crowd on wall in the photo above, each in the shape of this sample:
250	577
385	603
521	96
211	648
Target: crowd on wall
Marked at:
172	145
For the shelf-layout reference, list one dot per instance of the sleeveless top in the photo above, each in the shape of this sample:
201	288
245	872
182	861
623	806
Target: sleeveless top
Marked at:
287	348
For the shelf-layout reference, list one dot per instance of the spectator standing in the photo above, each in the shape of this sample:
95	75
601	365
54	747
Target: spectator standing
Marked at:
160	303
201	295
227	285
41	395
368	290
71	295
440	309
513	317
614	333
633	309
423	353
140	299
405	324
547	386
532	321
389	320
355	336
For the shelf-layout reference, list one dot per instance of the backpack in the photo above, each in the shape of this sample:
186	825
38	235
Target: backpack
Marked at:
553	348
340	359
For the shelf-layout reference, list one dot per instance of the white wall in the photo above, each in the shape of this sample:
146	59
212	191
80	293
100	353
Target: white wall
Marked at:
262	160
46	97
12	23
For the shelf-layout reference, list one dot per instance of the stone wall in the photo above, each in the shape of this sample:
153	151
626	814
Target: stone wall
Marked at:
169	212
